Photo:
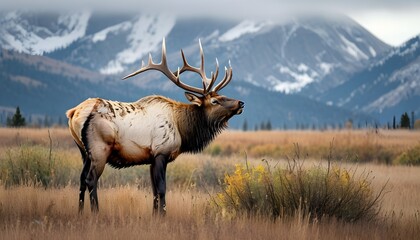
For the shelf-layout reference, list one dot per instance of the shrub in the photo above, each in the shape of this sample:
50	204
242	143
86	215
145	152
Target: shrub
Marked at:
272	150
316	192
369	153
409	157
219	150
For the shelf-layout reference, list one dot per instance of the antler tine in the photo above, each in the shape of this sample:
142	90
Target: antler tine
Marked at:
143	68
163	59
186	66
207	83
214	76
163	67
175	76
226	79
203	72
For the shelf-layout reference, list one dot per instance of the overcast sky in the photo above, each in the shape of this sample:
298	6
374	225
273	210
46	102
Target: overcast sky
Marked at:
393	21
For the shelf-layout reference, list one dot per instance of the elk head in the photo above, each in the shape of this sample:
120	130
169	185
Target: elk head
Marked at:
215	106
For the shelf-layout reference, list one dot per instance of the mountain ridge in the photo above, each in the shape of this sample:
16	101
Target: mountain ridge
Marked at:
302	61
287	56
389	86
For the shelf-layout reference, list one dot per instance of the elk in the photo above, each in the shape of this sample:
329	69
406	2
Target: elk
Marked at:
153	130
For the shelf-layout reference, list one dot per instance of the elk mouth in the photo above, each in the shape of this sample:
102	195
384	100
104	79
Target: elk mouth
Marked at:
241	108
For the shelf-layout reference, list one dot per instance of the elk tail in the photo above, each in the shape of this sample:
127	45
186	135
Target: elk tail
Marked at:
70	113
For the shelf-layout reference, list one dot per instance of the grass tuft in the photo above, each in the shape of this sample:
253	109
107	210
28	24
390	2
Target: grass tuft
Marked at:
33	165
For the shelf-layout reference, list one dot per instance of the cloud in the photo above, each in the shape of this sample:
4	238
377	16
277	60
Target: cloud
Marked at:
391	20
264	9
393	27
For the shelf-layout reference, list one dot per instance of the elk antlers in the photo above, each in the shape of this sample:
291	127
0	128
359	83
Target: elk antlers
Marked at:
174	76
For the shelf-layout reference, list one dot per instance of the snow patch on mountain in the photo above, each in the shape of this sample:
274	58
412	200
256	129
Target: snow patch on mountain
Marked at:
101	35
352	49
243	28
23	36
146	34
302	77
372	51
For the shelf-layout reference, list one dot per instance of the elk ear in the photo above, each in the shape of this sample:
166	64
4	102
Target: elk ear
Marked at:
194	99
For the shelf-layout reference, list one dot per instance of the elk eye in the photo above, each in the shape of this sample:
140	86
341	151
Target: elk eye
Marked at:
214	101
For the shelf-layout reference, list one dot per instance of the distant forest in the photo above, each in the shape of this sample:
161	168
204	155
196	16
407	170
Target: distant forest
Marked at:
405	121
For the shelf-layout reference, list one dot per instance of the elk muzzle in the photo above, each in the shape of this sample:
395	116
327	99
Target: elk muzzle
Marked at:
240	107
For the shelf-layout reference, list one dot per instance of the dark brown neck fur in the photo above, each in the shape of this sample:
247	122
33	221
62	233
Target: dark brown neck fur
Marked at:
196	129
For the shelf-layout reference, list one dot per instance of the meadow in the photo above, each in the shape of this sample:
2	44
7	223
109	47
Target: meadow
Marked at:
40	170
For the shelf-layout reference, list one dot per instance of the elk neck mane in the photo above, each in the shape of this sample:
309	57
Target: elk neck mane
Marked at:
197	129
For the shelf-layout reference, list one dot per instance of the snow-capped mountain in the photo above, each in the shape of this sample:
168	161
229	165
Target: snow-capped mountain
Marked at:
290	65
286	57
302	53
389	86
39	34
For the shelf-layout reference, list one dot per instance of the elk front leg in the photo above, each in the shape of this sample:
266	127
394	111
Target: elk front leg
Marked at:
155	194
158	177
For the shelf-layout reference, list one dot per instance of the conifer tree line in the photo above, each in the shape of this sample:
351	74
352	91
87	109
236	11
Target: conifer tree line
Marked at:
405	121
17	119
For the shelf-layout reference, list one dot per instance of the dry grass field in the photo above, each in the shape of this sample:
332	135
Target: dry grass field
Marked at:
36	211
380	146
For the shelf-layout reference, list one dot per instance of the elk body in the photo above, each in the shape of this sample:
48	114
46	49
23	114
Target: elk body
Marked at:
153	130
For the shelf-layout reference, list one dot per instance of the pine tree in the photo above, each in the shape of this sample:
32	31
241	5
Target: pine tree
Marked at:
268	125
393	123
17	120
405	121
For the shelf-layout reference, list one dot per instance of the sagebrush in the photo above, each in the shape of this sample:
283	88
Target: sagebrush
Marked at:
316	192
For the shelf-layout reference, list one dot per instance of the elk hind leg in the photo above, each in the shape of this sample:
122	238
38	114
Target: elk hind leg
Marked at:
98	157
83	175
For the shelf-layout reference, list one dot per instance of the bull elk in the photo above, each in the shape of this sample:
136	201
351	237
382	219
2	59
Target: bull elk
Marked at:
153	130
